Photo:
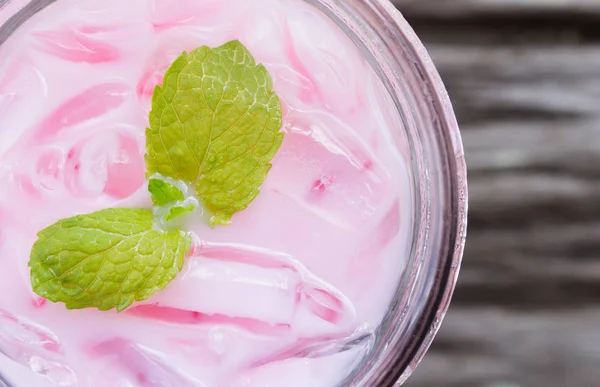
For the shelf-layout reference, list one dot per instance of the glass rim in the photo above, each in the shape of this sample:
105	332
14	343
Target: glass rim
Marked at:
400	364
440	295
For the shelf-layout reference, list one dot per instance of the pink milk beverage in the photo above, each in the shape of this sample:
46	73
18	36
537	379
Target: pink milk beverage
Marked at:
289	294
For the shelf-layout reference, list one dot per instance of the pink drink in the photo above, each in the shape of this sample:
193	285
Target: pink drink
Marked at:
290	293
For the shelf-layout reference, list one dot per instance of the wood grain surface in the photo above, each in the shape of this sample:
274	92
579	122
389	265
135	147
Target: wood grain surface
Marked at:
524	76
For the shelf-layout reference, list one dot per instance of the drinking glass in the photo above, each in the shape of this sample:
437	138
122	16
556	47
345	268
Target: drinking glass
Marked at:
437	172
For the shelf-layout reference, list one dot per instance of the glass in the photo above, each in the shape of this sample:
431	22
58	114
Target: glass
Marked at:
438	176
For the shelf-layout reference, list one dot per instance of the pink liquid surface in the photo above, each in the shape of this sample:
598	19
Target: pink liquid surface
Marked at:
288	295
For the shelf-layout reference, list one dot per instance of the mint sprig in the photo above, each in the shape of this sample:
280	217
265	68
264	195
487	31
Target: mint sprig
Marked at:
215	124
164	193
178	211
169	200
107	259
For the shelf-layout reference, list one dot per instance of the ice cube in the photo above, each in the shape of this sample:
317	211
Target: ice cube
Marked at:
49	168
322	299
109	162
240	290
34	347
367	262
303	290
25	187
86	165
91	103
143	366
307	371
125	169
16	331
23	94
385	231
231	349
255	290
336	175
309	91
261	30
164	14
226	346
74	45
320	58
323	303
316	347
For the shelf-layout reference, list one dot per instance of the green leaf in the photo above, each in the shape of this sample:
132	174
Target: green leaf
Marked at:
107	259
177	211
163	192
215	123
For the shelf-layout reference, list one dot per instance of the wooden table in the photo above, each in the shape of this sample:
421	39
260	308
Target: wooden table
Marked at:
524	76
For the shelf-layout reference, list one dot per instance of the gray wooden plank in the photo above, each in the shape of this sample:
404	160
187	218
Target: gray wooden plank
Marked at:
491	347
450	8
524	77
531	129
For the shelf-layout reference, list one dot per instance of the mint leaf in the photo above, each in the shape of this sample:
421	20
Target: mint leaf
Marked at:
107	259
177	211
163	192
168	199
215	123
